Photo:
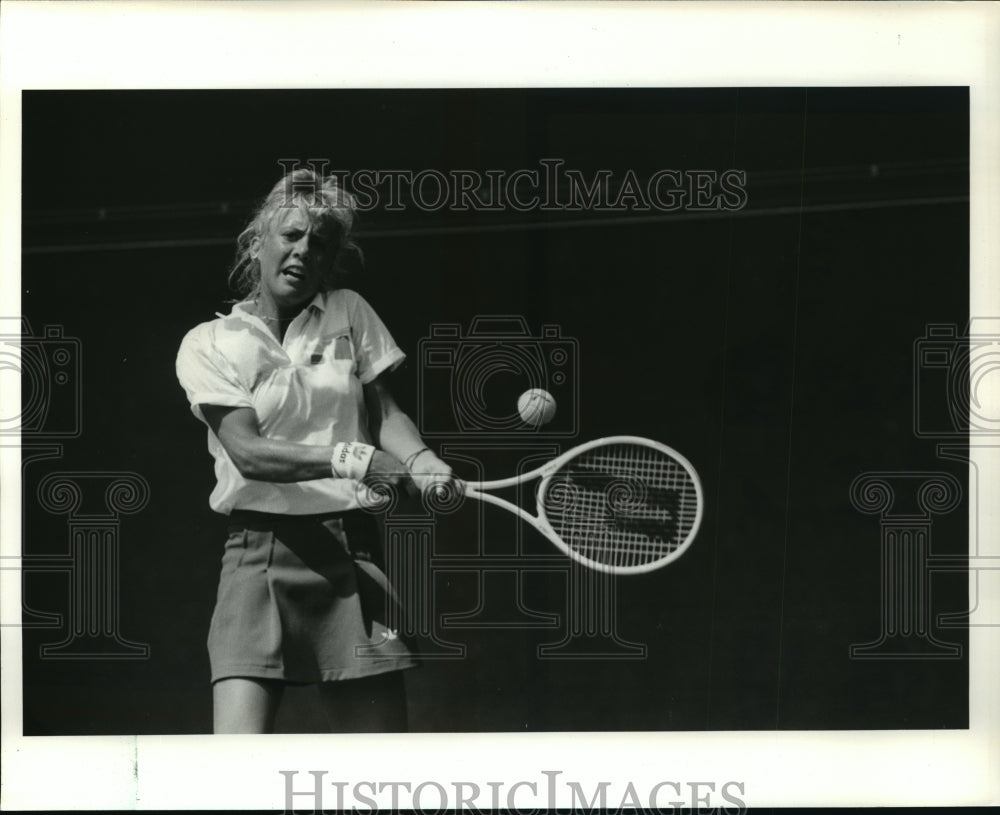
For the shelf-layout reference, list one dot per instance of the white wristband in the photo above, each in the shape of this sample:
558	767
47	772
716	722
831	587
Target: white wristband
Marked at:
351	459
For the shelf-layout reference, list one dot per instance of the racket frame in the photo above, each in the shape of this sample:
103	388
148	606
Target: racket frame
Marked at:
478	490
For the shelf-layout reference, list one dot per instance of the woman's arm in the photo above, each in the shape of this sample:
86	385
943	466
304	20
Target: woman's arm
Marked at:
262	459
395	433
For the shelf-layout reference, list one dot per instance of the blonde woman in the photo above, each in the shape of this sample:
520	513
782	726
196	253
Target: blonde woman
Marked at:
292	387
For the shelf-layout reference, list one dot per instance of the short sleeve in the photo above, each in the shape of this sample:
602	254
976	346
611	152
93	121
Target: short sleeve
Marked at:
206	375
374	347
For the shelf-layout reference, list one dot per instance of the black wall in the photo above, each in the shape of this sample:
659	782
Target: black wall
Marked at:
772	346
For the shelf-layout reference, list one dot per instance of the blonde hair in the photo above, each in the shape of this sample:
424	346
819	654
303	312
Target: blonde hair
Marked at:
326	203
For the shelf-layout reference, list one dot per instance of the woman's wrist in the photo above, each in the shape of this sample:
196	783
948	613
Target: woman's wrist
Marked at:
351	459
412	458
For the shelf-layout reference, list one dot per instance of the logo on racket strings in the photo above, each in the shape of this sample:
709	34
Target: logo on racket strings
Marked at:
588	501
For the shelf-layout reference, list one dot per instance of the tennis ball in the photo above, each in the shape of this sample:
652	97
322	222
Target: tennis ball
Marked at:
537	407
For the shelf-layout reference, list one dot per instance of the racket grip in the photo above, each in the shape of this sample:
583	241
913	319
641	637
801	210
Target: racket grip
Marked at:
444	497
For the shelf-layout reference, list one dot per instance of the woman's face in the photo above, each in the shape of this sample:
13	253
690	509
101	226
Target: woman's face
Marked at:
294	254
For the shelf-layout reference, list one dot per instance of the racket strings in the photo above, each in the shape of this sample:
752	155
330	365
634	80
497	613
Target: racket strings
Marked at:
622	504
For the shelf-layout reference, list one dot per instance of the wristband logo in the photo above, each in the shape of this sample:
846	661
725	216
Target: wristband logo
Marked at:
351	459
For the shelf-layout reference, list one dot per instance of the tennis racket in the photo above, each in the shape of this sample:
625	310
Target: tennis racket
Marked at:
622	504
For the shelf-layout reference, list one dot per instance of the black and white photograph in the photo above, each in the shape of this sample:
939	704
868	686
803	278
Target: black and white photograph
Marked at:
389	415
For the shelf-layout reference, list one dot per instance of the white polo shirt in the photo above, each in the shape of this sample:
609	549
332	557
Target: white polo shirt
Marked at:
305	389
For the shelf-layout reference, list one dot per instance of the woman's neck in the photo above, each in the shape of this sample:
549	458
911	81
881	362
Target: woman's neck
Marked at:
276	317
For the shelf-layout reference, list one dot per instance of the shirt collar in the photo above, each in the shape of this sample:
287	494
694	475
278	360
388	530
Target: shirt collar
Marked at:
318	303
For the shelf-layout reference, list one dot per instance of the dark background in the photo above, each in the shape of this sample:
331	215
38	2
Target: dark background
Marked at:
773	347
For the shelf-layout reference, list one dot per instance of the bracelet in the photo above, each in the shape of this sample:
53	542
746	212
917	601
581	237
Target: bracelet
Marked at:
410	459
351	459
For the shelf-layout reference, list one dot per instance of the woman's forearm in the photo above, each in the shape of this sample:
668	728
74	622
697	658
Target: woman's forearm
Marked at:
282	462
259	458
398	435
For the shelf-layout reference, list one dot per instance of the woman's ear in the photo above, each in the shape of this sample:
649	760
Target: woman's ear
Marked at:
254	247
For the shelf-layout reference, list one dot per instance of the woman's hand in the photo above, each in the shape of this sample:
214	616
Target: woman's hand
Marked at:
431	473
394	431
427	472
386	467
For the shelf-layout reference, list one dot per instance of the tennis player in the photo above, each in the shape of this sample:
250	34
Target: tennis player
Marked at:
292	387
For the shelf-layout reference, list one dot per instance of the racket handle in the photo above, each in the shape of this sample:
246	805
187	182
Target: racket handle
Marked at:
444	492
445	497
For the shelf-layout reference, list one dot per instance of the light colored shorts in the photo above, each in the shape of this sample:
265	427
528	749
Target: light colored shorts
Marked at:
302	598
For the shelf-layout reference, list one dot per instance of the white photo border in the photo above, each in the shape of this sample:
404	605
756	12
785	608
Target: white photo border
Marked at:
61	45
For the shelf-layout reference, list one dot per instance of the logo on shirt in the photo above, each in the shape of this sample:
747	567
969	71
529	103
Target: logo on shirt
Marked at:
341	348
